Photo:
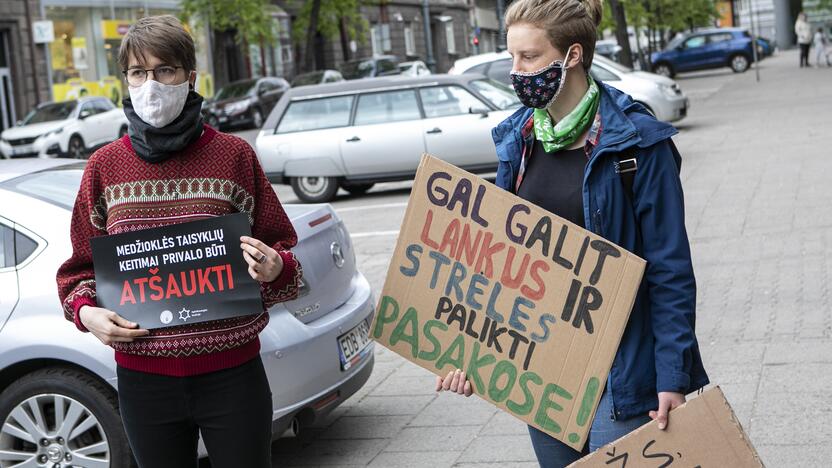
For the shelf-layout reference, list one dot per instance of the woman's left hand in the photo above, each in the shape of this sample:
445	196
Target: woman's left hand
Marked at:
264	263
667	401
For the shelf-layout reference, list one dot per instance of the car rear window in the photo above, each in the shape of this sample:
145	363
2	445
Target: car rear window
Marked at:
57	186
316	114
499	94
442	101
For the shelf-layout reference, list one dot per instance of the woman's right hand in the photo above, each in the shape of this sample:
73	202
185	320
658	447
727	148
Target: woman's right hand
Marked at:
455	382
108	326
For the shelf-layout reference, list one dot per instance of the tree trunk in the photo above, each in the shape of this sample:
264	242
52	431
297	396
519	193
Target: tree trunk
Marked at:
345	40
621	32
309	60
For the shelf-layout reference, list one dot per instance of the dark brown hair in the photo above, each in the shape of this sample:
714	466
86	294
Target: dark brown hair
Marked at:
160	36
566	22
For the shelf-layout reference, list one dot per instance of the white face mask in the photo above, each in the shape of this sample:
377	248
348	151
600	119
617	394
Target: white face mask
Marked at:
159	104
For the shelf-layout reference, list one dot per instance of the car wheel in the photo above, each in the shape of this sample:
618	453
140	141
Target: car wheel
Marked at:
122	131
61	417
357	189
76	147
739	63
315	189
663	69
257	119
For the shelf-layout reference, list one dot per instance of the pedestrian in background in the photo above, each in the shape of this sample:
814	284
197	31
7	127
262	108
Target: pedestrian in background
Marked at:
588	153
820	42
803	30
177	383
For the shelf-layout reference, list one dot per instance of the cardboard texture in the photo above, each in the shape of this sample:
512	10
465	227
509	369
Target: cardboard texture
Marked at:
531	306
704	432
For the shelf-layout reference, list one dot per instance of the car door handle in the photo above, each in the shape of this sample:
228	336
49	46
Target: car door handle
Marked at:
353	139
434	131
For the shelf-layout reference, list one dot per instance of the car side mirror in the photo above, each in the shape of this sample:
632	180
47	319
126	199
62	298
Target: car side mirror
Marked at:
481	111
84	114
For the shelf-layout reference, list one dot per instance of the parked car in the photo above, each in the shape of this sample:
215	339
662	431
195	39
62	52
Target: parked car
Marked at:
244	103
608	48
70	128
415	68
380	65
317	77
59	385
660	95
706	49
356	133
765	47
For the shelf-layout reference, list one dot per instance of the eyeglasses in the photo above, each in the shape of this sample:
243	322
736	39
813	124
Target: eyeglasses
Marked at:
165	74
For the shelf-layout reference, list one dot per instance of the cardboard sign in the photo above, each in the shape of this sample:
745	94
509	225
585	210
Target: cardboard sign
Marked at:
531	306
178	274
704	432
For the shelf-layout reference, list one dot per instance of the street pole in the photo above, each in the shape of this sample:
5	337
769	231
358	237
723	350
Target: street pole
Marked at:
430	62
501	21
754	40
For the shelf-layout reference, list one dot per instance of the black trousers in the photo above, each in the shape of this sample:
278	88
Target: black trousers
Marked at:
804	54
232	408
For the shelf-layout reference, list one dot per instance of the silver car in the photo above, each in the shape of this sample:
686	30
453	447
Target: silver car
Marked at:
662	96
356	133
58	401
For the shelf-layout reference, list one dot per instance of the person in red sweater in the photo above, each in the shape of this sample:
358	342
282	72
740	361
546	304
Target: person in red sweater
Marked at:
207	378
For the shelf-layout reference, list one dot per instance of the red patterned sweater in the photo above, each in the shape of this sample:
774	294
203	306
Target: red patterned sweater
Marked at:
216	175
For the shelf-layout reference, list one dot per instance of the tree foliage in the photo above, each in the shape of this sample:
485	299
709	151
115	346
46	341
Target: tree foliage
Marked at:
251	19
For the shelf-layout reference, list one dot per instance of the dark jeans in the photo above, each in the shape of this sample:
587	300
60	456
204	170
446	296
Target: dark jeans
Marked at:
804	54
232	408
552	453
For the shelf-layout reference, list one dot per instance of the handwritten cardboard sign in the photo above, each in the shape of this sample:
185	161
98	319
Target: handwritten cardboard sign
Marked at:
704	432
531	306
178	274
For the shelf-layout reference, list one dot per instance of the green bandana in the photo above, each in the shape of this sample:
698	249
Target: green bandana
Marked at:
567	131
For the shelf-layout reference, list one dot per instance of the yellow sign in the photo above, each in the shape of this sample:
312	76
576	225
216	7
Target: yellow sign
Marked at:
114	29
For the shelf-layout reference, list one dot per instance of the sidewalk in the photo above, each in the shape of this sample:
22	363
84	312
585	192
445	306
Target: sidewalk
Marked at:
759	218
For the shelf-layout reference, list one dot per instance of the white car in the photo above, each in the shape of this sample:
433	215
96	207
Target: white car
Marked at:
660	95
415	68
70	128
355	133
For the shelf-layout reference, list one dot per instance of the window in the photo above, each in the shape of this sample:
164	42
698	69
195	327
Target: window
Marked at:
602	74
409	40
449	36
695	42
23	247
386	107
385	67
481	68
723	37
500	71
442	101
499	94
380	35
316	114
102	105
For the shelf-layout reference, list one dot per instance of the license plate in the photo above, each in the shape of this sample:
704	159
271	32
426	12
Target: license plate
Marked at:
352	345
26	149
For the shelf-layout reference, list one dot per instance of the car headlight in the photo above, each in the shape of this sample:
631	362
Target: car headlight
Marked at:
237	107
671	91
53	132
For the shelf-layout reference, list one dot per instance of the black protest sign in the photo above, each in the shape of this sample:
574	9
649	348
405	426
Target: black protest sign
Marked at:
179	274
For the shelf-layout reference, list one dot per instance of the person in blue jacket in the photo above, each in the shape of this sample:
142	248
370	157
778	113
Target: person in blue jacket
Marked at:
588	153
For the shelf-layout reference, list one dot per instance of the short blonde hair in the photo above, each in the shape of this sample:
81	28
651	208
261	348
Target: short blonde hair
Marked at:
566	22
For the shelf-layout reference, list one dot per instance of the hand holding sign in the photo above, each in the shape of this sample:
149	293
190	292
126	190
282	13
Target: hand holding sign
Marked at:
264	263
456	382
108	326
667	401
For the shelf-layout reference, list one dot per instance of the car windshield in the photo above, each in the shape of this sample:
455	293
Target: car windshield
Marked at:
497	93
235	90
56	186
357	69
612	64
308	79
50	112
676	42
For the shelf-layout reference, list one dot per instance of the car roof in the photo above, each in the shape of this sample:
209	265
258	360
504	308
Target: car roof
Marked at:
717	30
14	168
367	84
473	61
